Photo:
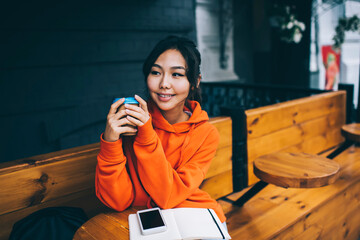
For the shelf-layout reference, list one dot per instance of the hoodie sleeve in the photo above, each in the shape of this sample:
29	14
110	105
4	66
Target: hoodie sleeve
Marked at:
166	186
112	181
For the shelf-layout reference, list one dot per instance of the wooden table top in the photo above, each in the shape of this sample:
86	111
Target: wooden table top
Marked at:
297	170
110	225
351	131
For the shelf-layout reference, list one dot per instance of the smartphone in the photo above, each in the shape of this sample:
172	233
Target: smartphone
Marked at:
151	221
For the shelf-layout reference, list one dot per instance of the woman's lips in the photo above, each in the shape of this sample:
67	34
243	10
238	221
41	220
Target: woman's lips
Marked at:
165	97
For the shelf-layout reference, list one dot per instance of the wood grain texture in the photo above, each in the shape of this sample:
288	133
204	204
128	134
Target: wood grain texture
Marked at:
351	131
222	162
297	170
224	127
295	212
108	225
46	182
264	120
218	179
34	161
312	125
219	185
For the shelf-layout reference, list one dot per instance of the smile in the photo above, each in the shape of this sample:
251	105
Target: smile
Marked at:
165	97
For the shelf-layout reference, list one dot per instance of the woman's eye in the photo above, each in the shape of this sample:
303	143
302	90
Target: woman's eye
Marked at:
155	73
178	75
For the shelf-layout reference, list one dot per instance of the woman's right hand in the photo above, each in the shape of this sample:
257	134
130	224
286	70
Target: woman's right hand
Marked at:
116	121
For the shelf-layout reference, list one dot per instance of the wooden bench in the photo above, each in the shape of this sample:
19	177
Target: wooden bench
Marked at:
311	125
66	178
275	212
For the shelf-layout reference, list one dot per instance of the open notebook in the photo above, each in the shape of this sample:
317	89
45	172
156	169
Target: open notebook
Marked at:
183	223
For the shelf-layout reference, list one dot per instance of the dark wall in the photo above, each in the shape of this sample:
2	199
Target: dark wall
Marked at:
243	39
260	56
61	64
290	62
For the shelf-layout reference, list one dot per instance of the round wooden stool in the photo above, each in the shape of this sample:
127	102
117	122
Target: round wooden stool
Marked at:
351	132
297	170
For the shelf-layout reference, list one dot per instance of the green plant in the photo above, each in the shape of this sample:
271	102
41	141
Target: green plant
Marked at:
344	25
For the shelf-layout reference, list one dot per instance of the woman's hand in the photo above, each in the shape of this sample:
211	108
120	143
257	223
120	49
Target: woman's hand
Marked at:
137	115
116	123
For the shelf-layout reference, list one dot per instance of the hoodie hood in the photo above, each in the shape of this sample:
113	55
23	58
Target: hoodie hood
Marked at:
198	117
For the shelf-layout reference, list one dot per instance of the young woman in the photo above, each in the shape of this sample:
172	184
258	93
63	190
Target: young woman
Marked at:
165	163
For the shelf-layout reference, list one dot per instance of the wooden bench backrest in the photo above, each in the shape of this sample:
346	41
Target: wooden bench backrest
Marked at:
63	178
66	178
311	124
218	180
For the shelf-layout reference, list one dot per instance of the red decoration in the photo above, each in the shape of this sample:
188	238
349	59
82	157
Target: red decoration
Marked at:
331	61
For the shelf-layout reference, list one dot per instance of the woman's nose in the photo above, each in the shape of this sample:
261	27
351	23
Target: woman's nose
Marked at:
165	82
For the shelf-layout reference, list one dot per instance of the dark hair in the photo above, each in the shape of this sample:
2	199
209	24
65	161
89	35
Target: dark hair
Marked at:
192	57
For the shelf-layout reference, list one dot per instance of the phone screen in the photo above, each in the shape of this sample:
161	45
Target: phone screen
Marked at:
151	219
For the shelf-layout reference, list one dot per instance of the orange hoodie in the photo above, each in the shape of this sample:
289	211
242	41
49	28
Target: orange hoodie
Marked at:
163	165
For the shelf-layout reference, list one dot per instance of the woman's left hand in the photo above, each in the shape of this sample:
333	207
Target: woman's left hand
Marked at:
138	115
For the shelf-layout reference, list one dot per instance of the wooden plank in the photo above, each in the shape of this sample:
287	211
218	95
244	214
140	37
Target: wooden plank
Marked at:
270	193
218	180
219	185
222	162
308	233
268	119
337	218
238	218
32	186
332	138
297	134
35	161
224	127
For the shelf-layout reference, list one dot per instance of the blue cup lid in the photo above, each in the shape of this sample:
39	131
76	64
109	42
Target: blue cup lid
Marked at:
131	100
128	100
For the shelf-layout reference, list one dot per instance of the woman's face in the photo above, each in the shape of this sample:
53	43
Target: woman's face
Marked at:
167	81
